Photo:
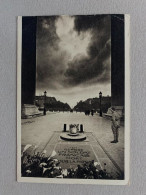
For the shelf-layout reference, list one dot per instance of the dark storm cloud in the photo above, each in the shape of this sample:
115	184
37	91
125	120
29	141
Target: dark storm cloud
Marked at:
96	66
54	67
50	60
83	23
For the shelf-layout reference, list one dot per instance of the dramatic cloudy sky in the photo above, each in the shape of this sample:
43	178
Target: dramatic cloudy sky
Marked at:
73	57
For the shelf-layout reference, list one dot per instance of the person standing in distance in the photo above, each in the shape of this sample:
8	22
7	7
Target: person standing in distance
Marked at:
115	124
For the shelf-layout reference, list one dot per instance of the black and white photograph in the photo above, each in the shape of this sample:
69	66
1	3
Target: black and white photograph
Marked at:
73	99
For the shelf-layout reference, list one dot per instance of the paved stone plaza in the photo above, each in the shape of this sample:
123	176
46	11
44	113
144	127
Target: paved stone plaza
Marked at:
44	131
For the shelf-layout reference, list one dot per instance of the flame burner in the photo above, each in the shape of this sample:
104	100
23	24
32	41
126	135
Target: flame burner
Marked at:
74	134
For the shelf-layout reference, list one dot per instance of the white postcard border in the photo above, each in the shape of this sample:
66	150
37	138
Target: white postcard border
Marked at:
127	118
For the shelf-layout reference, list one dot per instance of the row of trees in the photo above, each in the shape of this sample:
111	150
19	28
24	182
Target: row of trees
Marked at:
57	106
94	105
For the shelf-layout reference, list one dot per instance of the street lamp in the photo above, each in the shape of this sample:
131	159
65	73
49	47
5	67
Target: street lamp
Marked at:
100	97
45	93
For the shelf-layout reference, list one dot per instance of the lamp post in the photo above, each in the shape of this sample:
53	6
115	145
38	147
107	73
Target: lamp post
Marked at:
90	106
100	97
45	93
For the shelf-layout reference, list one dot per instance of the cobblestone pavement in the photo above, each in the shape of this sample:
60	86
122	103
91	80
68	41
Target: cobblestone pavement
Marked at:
38	131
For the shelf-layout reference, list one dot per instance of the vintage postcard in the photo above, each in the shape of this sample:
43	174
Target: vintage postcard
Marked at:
73	99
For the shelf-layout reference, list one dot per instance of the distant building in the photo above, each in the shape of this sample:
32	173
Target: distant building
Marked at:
39	100
51	104
105	99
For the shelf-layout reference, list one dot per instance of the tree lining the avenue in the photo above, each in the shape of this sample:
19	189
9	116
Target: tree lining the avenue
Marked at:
94	104
52	104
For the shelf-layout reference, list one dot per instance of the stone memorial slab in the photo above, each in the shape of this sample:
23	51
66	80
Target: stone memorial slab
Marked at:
71	155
